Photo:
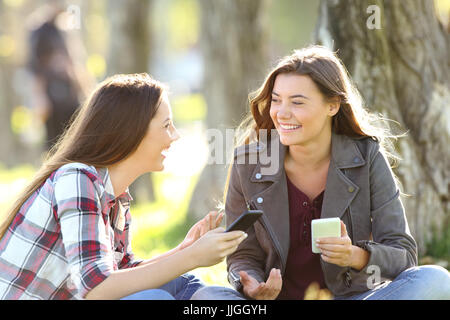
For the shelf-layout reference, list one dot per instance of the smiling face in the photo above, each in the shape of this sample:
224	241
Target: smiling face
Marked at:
160	135
299	110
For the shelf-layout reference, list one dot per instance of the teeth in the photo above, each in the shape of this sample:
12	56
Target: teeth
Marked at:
289	127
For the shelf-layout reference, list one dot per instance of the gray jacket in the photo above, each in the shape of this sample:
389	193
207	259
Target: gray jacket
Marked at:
360	190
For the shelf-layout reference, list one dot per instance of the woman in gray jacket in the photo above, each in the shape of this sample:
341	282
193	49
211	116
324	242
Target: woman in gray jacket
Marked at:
316	153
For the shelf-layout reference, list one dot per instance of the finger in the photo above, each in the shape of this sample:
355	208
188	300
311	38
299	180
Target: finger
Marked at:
245	278
234	243
229	251
220	231
219	218
260	291
208	222
203	228
331	240
331	254
212	219
343	229
227	236
274	281
339	248
330	259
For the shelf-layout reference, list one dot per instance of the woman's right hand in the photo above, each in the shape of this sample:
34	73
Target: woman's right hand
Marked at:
268	290
215	245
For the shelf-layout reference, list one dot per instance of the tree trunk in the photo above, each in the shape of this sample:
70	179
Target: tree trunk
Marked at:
402	71
129	52
234	62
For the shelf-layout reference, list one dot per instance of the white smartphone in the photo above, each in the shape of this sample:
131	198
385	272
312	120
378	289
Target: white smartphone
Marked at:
321	228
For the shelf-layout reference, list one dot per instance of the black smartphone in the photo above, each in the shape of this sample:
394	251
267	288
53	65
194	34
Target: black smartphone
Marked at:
245	220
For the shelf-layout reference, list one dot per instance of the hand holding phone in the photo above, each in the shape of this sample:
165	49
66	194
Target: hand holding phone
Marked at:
326	227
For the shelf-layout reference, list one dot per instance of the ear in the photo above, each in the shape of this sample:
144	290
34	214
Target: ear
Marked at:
333	106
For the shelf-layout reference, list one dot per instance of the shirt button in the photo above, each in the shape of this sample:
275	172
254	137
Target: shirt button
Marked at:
356	160
258	176
260	200
305	204
351	189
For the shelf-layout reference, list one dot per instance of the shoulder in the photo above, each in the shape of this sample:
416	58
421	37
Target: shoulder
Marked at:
78	177
368	146
77	168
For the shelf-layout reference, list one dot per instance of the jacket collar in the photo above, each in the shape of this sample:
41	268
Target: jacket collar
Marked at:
344	155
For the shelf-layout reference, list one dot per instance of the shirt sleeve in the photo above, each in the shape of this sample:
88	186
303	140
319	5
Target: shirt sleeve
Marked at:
83	229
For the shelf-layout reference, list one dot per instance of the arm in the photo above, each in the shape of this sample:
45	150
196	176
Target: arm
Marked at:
127	281
393	249
210	222
211	249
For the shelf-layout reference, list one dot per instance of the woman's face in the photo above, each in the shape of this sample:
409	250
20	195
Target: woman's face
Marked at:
160	135
299	110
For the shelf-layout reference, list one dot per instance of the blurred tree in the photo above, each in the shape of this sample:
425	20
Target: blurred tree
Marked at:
398	55
234	53
129	52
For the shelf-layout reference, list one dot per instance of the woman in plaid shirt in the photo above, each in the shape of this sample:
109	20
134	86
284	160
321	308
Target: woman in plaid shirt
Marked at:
67	235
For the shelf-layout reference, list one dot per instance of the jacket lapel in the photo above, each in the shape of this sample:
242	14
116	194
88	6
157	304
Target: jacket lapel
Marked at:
340	190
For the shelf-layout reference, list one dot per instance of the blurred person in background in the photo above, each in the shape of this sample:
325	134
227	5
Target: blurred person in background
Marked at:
56	86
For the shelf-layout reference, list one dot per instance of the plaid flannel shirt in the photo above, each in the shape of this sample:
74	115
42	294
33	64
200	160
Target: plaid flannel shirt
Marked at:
67	237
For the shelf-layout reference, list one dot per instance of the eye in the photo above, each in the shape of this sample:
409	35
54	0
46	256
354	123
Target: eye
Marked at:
297	103
274	100
167	125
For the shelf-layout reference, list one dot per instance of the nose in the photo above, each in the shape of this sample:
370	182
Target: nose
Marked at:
175	136
283	112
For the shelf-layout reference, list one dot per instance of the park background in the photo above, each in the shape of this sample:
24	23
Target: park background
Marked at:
212	54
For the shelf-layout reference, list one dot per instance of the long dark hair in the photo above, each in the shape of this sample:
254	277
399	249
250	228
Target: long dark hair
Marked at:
105	130
331	77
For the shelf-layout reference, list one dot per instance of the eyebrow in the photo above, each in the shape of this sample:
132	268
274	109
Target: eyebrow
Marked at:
293	96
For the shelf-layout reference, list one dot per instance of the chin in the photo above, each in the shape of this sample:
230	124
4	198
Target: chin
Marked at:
288	141
156	167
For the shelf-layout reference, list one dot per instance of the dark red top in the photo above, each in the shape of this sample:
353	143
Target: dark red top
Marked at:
303	266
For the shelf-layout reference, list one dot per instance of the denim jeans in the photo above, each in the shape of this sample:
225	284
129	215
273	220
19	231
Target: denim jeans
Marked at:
428	282
181	288
418	283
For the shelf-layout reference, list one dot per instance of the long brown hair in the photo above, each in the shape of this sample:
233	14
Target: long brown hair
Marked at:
105	130
331	77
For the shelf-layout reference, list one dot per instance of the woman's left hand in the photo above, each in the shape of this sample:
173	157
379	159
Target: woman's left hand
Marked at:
337	250
211	221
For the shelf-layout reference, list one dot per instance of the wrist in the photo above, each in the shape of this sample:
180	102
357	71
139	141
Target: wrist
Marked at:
359	259
190	257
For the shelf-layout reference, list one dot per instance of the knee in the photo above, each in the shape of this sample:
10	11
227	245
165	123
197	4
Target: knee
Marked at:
216	293
438	278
